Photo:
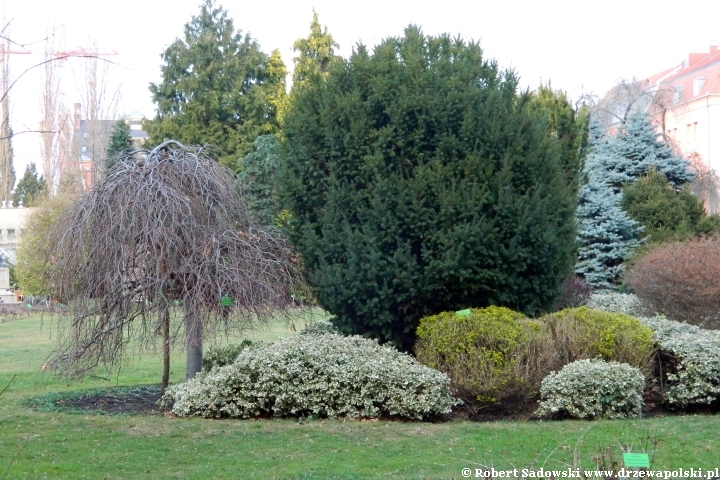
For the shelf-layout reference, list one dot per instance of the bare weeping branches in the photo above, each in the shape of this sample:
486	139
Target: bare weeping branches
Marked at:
165	227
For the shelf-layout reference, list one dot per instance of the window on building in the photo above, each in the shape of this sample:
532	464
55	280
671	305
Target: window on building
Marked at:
678	93
10	233
85	134
698	84
693	133
83	149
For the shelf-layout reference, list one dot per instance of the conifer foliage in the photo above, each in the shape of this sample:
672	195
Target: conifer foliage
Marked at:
31	189
606	233
120	144
418	181
258	179
217	88
634	152
666	213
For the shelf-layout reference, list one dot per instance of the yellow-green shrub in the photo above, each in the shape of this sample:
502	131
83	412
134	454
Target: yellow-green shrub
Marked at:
491	354
582	333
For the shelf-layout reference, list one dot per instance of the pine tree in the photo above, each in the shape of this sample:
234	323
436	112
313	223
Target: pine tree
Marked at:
606	235
217	88
120	143
418	182
30	189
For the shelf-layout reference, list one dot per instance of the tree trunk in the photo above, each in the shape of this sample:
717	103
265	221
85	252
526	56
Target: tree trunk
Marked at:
166	349
193	337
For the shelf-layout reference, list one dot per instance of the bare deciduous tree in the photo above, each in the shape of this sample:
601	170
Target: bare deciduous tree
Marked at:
7	173
164	226
99	106
630	95
705	184
50	105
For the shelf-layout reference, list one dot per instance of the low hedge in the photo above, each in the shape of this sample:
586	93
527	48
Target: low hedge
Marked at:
492	354
592	389
582	333
689	363
316	375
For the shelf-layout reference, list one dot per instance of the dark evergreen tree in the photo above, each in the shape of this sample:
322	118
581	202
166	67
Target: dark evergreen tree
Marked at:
217	88
566	123
258	179
635	151
666	213
120	143
418	182
30	189
606	235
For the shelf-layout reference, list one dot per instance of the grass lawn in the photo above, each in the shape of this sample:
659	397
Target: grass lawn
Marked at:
60	445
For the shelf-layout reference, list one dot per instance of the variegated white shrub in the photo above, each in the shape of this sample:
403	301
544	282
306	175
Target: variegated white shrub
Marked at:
592	389
691	356
316	375
609	301
319	328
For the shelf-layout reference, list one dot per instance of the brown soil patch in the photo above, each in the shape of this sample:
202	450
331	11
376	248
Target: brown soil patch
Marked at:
139	401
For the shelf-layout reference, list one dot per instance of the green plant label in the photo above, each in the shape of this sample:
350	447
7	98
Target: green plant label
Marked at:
636	459
226	301
462	313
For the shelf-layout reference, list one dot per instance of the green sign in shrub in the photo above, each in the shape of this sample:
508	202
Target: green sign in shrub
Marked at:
486	352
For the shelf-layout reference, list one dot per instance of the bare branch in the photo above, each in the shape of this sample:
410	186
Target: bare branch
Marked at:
165	226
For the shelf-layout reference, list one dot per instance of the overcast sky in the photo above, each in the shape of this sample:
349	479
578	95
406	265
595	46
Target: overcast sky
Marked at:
581	46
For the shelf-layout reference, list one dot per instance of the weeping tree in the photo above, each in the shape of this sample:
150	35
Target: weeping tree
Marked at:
165	228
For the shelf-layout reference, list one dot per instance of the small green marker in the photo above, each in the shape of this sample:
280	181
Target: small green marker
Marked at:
463	313
226	301
636	460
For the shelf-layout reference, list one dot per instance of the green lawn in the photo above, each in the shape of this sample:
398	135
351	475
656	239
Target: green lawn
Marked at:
58	445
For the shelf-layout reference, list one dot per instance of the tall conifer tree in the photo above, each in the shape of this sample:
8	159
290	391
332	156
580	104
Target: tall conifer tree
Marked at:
217	88
637	150
316	53
418	182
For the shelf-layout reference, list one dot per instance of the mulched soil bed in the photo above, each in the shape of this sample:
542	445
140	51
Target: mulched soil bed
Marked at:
143	400
140	400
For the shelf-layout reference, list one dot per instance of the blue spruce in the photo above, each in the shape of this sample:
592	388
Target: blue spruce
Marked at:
606	235
636	151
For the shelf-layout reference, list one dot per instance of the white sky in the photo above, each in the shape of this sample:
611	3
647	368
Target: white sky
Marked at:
581	46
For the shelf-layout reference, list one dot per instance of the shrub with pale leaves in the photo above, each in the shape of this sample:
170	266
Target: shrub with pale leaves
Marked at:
609	301
591	389
691	357
319	328
316	375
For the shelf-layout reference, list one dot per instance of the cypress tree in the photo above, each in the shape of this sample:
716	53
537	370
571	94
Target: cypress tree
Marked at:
418	182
